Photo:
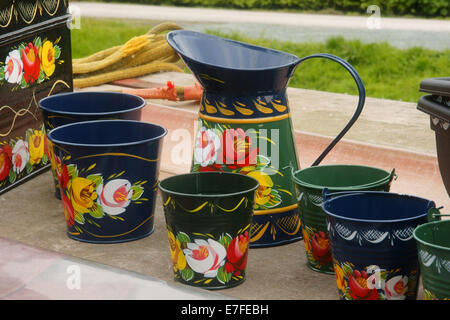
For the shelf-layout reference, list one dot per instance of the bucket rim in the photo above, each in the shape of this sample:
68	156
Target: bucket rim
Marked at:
431	204
349	188
142	103
183	194
429	244
106	145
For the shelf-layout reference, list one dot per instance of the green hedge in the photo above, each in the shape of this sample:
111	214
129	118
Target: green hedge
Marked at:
424	8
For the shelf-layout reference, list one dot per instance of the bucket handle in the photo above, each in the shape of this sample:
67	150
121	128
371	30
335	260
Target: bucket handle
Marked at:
362	98
435	215
326	195
392	176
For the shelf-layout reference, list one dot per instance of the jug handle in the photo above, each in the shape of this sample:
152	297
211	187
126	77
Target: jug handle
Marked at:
361	101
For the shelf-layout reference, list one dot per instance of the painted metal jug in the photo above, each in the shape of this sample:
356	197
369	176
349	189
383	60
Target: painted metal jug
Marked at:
245	125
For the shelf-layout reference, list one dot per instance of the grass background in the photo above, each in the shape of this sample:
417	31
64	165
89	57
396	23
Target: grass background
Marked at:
387	72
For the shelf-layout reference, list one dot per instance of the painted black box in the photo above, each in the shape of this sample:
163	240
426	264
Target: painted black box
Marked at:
35	62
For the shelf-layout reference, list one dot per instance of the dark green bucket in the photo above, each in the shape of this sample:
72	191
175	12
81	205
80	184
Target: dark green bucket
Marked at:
310	183
208	218
433	245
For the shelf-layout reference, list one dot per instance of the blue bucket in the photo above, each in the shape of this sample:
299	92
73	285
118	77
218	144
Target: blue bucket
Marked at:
65	108
109	179
372	244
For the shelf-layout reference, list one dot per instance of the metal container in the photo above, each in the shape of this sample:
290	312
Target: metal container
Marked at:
245	124
109	178
433	245
208	217
371	235
65	108
310	183
35	62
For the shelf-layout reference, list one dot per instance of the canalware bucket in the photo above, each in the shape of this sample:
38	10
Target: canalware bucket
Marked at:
109	178
310	183
433	246
371	235
208	218
65	108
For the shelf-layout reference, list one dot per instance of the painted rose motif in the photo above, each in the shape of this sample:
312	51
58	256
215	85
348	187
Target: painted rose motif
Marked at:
205	256
36	145
374	283
69	213
61	173
237	254
340	279
48	152
13	67
236	151
207	146
115	196
266	196
209	261
360	288
306	240
47	55
396	287
178	259
91	196
31	63
82	194
20	156
321	250
5	161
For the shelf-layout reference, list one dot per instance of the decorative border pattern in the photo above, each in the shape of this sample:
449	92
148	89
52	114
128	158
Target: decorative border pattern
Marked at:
441	99
28	11
441	123
371	236
429	260
256	109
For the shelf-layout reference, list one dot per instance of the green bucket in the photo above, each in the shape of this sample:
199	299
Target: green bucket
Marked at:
208	219
310	183
433	246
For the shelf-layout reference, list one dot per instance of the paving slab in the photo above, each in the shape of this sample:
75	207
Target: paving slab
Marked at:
31	273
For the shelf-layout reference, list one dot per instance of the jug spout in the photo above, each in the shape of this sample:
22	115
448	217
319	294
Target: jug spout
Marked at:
227	66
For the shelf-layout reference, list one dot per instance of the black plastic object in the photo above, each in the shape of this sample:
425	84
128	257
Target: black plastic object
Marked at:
440	123
439	88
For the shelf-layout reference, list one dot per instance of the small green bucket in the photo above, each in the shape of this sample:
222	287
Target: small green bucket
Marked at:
208	218
433	246
310	183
